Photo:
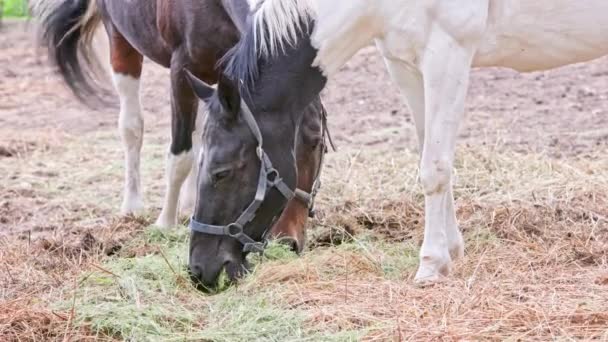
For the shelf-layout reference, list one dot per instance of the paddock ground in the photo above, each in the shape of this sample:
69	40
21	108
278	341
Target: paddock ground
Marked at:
531	191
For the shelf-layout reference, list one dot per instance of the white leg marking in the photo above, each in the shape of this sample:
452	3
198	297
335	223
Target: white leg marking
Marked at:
190	187
178	167
131	127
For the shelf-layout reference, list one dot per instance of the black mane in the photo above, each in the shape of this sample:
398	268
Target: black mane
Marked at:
241	63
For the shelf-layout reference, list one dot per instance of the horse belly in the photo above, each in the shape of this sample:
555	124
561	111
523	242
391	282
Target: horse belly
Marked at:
536	35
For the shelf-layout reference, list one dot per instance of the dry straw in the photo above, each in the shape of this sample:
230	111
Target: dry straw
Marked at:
536	264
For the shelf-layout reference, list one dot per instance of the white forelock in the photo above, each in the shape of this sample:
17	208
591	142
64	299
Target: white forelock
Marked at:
278	22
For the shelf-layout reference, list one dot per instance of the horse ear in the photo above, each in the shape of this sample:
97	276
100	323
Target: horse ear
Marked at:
229	96
201	89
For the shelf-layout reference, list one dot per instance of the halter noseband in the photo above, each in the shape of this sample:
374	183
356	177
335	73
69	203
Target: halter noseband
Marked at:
269	178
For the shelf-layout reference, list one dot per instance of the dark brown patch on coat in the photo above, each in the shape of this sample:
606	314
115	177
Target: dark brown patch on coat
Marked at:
124	58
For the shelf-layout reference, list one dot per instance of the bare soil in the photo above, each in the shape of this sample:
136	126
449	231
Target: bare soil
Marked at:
560	112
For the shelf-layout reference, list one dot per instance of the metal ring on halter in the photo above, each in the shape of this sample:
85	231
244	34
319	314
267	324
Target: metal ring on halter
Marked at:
272	176
234	230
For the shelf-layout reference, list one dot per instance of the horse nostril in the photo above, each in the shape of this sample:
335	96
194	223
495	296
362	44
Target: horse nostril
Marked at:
205	277
197	277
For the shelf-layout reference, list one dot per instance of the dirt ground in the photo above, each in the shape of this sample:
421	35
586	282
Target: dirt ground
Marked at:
560	112
61	178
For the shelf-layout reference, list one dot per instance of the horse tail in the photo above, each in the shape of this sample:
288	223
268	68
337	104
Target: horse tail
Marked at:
67	31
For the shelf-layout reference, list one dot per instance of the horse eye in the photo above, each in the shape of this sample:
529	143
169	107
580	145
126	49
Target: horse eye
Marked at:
220	175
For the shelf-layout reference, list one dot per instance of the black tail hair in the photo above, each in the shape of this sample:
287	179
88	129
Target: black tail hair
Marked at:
67	31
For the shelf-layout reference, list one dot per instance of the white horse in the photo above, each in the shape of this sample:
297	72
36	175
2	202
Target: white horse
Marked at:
430	47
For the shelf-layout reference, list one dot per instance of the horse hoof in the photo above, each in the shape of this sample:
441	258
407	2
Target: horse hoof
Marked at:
164	223
429	281
425	278
130	207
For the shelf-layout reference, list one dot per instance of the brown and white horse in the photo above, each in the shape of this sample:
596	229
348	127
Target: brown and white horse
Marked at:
179	35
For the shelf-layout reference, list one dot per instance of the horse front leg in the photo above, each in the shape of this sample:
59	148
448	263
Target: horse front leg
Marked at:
445	66
184	106
409	79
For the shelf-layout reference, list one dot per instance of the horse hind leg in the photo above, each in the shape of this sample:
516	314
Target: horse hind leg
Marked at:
126	65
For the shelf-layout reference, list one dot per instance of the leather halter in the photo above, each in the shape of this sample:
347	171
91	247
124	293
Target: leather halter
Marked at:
269	178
